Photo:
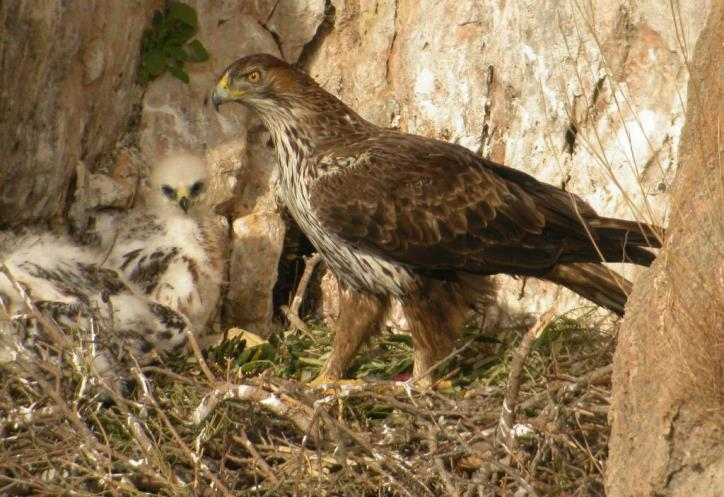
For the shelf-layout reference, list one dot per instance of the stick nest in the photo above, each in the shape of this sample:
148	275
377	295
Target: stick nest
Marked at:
245	424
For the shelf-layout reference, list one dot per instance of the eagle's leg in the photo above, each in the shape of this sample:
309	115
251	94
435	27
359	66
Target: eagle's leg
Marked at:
435	315
360	316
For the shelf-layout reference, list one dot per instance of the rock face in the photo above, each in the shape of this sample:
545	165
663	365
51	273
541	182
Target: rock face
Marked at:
67	94
259	238
666	412
295	24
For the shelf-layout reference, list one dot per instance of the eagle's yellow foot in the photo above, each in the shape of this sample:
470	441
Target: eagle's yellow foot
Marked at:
443	385
332	384
438	386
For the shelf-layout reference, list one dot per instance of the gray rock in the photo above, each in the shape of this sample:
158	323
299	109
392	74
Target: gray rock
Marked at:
67	92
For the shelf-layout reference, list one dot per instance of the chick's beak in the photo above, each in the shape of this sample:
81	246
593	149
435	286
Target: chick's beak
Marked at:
184	203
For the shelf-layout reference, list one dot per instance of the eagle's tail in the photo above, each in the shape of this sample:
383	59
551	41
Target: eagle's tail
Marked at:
619	240
595	282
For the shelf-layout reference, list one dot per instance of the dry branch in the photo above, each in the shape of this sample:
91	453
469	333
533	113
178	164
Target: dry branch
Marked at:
199	356
506	430
288	408
292	312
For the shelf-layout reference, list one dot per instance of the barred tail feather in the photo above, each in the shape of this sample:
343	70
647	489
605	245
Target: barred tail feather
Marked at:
595	282
632	232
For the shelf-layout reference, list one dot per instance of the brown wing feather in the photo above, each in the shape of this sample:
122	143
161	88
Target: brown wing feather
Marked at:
428	204
436	205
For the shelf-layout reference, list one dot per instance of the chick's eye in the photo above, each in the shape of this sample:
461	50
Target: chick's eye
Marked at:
254	76
169	192
196	188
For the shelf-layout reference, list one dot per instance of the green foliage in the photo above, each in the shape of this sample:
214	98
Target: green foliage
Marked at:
483	360
166	46
248	359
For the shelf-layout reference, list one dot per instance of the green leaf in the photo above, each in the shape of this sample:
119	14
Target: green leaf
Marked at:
183	13
163	47
146	40
154	62
143	76
197	51
310	361
179	35
255	365
157	22
179	73
184	32
547	337
177	53
244	357
400	367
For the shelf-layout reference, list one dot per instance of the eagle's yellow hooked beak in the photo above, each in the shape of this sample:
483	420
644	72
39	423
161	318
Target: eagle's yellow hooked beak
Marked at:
223	93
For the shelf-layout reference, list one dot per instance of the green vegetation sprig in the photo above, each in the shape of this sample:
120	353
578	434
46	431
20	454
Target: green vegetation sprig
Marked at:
166	46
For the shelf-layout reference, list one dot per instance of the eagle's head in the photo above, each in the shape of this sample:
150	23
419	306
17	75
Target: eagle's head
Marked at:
263	83
177	184
289	102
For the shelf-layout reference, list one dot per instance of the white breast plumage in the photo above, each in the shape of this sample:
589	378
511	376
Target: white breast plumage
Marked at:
172	245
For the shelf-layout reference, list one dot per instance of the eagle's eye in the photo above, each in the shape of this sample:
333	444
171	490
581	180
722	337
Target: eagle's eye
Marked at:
169	192
196	188
253	76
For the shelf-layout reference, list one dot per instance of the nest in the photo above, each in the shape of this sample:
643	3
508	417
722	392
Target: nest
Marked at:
523	412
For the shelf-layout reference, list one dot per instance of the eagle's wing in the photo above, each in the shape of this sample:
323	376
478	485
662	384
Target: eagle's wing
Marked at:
435	205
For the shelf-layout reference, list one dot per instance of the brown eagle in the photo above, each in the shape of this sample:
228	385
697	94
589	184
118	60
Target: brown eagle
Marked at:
418	219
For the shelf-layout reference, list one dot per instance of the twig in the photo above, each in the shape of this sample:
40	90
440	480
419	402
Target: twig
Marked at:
514	474
572	384
193	457
243	440
287	407
177	378
199	357
379	456
440	465
423	378
295	320
309	264
20	417
292	311
455	372
91	447
507	415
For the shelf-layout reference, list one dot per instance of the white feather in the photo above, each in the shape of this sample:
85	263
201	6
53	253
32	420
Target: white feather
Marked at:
175	256
66	282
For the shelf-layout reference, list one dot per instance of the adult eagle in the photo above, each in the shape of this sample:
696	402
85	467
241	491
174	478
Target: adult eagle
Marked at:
421	220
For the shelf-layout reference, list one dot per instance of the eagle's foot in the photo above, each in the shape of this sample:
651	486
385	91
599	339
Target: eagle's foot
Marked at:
427	383
333	384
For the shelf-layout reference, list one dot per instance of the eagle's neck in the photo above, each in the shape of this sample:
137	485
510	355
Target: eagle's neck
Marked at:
302	128
309	134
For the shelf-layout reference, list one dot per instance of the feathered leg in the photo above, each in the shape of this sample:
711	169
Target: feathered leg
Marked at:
360	316
436	314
